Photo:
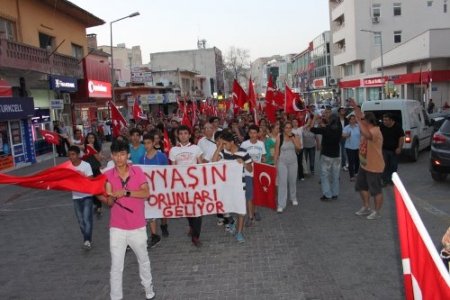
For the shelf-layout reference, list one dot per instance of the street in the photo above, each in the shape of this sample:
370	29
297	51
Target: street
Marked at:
317	250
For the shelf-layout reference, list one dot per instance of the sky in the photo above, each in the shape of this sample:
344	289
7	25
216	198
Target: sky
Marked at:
264	27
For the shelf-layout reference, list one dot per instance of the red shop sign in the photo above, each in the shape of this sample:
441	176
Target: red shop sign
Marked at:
99	89
377	81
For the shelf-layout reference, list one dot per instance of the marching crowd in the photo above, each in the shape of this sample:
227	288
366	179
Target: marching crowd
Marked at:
347	139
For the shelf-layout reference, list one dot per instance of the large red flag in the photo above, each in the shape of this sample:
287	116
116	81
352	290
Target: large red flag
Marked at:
117	120
138	114
186	120
264	190
166	142
291	101
424	273
251	95
239	95
50	137
61	178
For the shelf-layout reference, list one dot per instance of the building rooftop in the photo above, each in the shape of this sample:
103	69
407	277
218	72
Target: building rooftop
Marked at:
76	12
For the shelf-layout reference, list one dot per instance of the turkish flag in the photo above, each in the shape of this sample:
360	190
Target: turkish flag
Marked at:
239	95
50	137
270	108
251	95
425	276
138	114
118	121
88	151
186	120
62	178
291	101
264	190
166	142
279	98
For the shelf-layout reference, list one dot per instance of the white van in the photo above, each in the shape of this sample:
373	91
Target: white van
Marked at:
413	118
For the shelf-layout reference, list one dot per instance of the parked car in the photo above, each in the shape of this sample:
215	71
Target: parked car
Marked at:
438	118
413	118
440	152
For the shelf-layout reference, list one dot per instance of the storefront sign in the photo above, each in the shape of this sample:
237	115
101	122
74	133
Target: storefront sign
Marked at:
319	83
16	108
63	83
375	82
57	104
99	89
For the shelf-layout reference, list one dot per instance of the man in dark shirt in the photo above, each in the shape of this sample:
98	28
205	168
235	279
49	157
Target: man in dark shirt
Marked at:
330	159
393	136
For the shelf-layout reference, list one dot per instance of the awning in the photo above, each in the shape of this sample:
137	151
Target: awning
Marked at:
5	88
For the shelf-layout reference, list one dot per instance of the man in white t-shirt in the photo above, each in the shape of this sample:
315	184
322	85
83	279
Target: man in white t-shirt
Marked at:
82	202
257	151
185	153
207	143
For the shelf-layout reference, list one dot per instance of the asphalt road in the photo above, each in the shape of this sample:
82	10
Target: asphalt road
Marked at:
314	251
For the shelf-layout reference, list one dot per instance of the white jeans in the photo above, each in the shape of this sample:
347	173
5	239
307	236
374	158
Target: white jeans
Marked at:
137	240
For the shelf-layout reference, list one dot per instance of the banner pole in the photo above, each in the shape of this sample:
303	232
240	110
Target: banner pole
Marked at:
54	155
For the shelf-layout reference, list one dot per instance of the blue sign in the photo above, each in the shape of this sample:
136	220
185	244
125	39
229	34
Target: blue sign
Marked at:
16	108
63	84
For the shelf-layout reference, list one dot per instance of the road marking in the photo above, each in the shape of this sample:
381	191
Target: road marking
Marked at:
35	208
429	208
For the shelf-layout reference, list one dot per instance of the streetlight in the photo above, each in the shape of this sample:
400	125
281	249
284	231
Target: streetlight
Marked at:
381	56
111	49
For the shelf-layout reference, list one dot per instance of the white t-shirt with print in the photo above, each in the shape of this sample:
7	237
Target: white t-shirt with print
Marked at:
208	147
185	155
256	151
85	169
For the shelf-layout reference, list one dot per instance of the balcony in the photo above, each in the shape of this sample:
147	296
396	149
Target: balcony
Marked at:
21	56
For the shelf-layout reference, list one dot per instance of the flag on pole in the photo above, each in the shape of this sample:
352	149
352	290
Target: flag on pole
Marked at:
166	142
424	274
270	108
239	95
291	101
50	137
264	190
117	120
138	114
251	95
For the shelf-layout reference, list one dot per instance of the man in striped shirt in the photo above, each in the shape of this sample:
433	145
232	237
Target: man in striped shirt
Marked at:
227	149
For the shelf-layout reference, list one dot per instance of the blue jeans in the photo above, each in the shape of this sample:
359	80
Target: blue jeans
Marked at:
329	175
83	212
343	154
310	155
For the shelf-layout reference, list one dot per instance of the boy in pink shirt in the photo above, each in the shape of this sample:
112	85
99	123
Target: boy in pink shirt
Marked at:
127	190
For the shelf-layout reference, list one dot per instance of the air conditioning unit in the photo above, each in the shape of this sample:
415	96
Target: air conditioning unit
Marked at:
375	20
66	98
332	81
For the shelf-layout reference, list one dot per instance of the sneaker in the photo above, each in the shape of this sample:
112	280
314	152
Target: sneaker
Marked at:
302	179
345	168
249	222
257	216
295	202
364	211
220	221
87	245
240	237
164	230
324	198
155	240
352	179
230	228
279	210
334	197
196	242
150	296
374	215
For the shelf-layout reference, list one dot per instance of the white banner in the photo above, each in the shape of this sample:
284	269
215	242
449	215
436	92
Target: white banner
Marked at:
196	190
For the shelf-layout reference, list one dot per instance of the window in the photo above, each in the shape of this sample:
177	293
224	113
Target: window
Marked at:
46	41
397	9
7	29
397	36
77	51
430	3
362	67
348	70
445	7
376	10
377	38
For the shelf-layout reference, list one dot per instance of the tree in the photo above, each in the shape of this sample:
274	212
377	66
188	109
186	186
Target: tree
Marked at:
237	61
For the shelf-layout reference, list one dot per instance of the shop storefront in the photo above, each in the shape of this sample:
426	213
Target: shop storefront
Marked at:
16	135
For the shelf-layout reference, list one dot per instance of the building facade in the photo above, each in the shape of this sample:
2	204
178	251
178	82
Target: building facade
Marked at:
363	31
206	62
42	44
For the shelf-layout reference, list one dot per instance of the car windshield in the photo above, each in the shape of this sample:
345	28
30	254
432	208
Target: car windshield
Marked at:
445	128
